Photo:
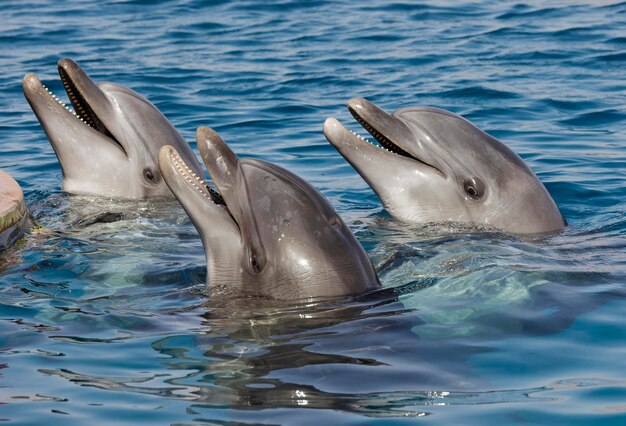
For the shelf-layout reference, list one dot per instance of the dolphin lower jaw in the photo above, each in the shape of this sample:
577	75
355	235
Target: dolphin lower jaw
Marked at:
194	181
386	172
341	138
42	99
218	229
189	175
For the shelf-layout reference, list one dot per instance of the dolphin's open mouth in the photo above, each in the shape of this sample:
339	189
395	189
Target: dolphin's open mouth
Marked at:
84	95
82	109
385	142
385	128
196	182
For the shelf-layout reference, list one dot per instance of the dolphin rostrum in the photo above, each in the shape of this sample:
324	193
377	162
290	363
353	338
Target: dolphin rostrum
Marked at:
109	144
267	232
435	166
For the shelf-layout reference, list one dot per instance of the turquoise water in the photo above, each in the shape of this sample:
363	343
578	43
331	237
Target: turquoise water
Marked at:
107	322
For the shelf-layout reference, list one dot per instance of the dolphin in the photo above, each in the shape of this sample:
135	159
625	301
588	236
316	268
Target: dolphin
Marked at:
435	166
14	215
265	231
109	146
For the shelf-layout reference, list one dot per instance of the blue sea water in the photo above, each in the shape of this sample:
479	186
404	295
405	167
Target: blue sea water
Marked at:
109	323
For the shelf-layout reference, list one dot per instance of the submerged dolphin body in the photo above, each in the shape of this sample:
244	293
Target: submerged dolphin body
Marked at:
110	145
435	166
14	215
267	232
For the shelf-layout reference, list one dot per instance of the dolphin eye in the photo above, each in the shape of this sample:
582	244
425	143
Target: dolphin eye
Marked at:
474	188
255	263
149	175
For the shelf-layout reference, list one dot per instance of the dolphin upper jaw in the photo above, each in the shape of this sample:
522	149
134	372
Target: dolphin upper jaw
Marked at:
90	103
227	171
222	164
394	134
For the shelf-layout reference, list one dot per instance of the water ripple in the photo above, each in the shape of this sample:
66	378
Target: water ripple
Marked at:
103	310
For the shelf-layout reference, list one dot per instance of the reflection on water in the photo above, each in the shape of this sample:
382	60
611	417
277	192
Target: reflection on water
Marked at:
247	353
246	356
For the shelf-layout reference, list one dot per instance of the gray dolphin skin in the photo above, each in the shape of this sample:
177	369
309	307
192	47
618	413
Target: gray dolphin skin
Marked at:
15	218
109	146
435	166
267	232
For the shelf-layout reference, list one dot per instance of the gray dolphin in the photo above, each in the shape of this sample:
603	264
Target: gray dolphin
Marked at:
436	166
110	145
14	215
267	232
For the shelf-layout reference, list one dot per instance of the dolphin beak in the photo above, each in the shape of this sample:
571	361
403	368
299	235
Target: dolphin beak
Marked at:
393	134
42	102
352	147
202	204
31	85
178	174
221	163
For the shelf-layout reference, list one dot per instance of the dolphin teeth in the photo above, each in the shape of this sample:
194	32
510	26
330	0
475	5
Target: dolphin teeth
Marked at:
383	143
191	177
365	139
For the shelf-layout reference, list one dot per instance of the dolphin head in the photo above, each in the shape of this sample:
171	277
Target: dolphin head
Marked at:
109	144
266	231
433	166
